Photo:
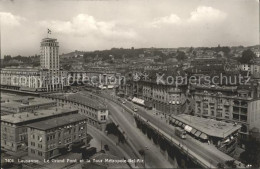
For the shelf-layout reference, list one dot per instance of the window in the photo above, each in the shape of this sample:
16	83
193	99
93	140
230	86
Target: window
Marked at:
39	153
32	151
32	143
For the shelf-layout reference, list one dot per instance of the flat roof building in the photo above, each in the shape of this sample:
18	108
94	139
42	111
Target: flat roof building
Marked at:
14	130
95	110
25	104
222	134
210	127
53	137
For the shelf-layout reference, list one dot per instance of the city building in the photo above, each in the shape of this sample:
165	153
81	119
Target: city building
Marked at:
245	67
25	104
14	134
237	104
222	134
48	77
146	91
95	111
207	65
255	68
163	98
51	138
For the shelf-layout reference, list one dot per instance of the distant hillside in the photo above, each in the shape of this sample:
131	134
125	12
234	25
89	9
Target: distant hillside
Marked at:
72	54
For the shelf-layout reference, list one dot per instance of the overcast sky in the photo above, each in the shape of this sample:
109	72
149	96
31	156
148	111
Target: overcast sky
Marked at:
98	25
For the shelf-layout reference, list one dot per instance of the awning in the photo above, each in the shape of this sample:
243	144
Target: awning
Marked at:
188	128
193	131
197	134
203	136
138	101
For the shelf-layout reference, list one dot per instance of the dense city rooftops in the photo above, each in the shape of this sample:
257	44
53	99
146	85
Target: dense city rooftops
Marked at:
210	127
57	122
214	87
6	97
37	114
25	102
18	68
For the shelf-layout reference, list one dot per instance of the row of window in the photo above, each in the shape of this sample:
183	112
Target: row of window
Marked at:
39	138
34	152
33	144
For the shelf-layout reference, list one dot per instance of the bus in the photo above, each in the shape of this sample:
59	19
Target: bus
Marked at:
180	132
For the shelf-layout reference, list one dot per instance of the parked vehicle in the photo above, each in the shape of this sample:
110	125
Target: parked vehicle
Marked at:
180	132
135	109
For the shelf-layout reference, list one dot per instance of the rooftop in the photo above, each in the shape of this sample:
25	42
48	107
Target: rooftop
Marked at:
57	122
81	99
210	127
25	101
8	96
16	68
37	114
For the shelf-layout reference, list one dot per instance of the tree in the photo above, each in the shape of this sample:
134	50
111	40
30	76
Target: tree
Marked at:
220	165
181	56
247	56
7	58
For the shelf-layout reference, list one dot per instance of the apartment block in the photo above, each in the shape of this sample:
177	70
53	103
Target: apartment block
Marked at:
14	134
50	138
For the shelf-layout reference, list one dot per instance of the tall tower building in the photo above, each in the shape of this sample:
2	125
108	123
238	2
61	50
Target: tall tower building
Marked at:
50	63
50	54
